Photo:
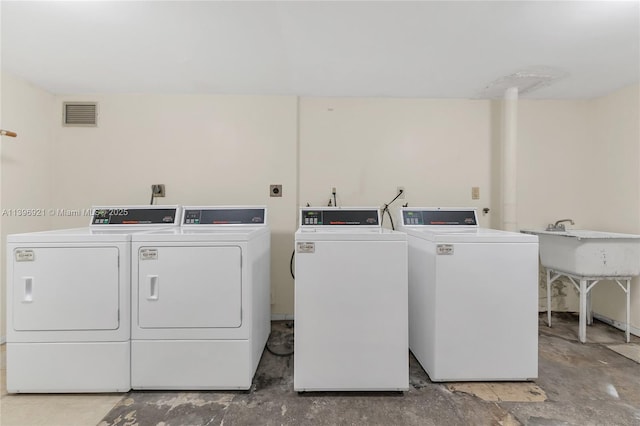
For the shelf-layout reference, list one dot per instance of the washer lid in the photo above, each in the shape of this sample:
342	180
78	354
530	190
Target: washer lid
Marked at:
335	233
73	235
108	224
468	235
453	224
207	234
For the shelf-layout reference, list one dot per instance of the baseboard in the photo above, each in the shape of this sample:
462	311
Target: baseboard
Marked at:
617	324
281	317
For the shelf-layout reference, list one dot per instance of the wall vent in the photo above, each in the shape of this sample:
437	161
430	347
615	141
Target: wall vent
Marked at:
80	114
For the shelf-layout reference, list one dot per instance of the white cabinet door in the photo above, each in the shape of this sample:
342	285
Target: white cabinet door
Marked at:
66	288
189	287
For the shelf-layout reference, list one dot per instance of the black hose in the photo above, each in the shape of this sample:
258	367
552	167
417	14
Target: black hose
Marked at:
291	264
277	353
386	209
390	218
285	354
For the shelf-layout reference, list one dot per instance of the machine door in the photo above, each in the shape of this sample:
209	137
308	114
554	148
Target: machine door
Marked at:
65	288
189	287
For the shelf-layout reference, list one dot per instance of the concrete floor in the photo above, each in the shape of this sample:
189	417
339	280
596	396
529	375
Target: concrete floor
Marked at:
578	384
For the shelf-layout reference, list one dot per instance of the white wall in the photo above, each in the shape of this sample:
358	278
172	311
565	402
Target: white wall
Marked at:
616	134
26	166
439	149
366	148
580	160
208	150
577	159
616	119
556	163
556	178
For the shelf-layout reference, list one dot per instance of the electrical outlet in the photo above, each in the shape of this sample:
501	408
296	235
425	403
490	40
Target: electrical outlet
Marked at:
401	188
157	190
333	190
275	190
475	192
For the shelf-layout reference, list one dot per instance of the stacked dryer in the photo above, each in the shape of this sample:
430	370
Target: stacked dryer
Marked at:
473	297
201	300
68	302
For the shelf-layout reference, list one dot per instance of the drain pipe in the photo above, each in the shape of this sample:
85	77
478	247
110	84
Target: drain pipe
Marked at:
510	160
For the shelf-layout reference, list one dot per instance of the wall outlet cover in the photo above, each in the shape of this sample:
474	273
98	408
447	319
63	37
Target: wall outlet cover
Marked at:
475	192
158	190
275	190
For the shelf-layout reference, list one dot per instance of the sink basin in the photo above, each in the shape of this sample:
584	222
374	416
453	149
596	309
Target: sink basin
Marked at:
589	253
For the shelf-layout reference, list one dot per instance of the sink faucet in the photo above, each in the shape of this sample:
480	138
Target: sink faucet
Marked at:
559	226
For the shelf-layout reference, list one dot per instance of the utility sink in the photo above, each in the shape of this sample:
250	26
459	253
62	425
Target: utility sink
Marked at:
589	253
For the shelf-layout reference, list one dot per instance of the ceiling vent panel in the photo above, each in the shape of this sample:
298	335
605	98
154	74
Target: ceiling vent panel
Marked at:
80	114
526	81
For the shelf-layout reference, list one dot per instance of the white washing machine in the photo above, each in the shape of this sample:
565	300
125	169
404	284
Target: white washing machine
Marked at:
473	297
68	302
201	300
350	302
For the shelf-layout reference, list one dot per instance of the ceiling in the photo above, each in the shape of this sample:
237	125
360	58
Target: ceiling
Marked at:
321	48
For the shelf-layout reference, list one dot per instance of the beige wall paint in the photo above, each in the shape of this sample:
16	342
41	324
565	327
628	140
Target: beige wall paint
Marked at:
616	133
438	149
580	160
555	163
555	175
207	150
366	148
26	163
228	149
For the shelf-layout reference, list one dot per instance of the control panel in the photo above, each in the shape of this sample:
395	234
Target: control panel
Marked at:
439	217
135	215
339	217
224	216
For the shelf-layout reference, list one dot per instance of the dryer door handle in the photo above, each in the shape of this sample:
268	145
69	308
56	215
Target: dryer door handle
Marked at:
153	287
28	290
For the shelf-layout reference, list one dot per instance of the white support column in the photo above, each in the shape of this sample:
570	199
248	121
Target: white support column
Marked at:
510	160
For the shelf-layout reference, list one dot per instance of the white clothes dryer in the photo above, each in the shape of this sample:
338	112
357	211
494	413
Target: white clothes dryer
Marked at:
201	300
68	302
